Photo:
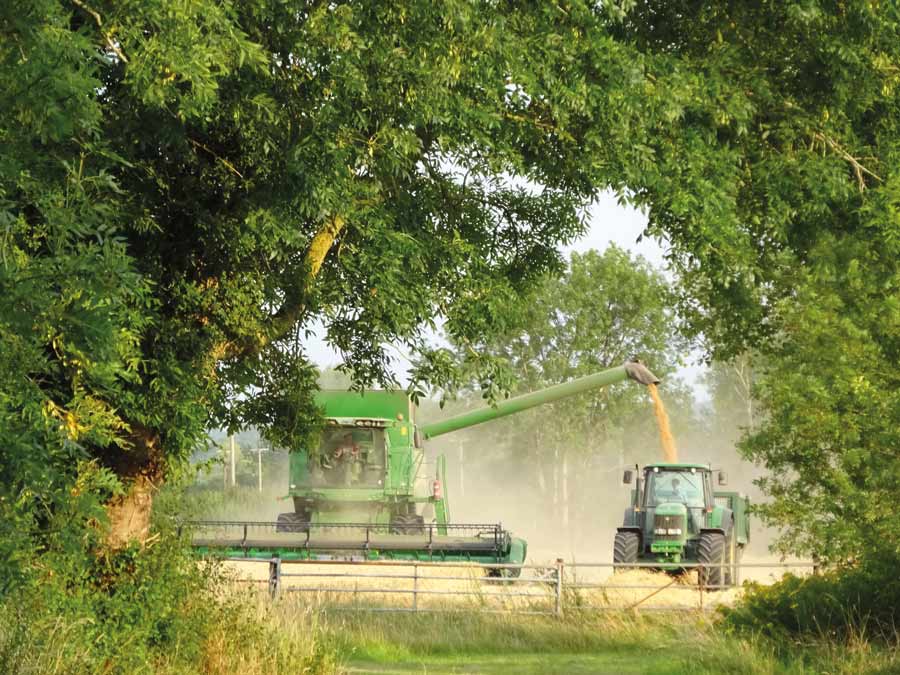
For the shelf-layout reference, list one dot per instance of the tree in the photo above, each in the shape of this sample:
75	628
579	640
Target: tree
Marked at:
606	308
788	241
732	384
185	187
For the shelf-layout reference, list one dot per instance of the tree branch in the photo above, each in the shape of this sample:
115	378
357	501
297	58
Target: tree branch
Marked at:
109	41
294	304
858	168
228	165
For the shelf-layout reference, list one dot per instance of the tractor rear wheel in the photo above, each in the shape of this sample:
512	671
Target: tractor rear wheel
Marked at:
292	522
711	554
626	547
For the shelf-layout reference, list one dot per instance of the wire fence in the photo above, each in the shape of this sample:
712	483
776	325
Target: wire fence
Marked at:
395	586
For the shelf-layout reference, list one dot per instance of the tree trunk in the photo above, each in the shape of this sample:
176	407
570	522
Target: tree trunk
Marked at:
129	514
140	468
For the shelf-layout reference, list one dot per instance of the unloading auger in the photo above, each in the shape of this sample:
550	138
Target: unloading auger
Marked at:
364	491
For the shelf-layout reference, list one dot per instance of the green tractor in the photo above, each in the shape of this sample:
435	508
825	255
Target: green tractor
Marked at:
368	491
675	517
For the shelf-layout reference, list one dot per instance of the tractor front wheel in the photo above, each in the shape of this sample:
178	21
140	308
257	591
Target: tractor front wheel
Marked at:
626	549
712	556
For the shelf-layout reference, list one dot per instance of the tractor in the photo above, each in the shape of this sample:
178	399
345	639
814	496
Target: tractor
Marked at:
676	518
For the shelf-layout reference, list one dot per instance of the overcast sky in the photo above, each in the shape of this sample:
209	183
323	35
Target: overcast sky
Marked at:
609	223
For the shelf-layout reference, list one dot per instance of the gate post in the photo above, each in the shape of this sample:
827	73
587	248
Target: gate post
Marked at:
560	571
274	577
415	587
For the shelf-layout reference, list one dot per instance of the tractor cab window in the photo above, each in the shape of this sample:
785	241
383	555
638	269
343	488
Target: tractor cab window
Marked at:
349	457
680	487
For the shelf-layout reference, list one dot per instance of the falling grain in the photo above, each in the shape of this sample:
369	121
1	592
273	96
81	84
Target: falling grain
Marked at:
670	452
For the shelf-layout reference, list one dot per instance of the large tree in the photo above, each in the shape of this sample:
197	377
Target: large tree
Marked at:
604	309
789	241
184	186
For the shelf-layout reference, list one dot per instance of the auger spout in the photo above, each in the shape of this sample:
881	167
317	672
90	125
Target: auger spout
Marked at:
634	370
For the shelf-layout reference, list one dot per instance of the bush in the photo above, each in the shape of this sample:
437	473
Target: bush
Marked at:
75	607
847	604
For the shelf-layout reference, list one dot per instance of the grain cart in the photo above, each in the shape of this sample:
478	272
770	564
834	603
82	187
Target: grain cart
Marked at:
368	492
675	517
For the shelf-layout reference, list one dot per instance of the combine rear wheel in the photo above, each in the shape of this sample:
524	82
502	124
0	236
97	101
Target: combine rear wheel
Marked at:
292	522
712	551
625	549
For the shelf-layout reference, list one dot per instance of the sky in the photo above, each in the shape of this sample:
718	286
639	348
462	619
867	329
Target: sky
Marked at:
608	223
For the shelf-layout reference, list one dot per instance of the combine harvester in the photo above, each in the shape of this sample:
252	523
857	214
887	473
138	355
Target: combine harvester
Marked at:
364	492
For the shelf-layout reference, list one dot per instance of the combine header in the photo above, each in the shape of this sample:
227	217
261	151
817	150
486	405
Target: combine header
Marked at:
365	492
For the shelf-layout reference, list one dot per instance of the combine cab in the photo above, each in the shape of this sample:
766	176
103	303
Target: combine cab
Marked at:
367	491
675	517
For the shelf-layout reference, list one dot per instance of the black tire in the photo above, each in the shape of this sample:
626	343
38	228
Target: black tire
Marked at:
292	522
407	523
626	548
711	550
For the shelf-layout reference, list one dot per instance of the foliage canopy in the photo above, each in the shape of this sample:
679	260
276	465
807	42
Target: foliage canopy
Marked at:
185	186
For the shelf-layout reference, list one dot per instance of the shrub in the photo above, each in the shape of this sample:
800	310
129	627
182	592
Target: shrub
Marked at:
843	604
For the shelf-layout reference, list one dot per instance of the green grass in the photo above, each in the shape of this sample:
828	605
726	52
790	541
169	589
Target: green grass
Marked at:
664	644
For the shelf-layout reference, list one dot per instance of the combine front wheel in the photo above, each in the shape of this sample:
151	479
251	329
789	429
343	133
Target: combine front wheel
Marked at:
292	522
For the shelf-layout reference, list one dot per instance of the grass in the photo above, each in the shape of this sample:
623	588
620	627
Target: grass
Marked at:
252	635
665	643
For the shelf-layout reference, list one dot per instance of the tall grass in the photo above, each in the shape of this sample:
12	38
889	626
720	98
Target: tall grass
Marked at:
683	642
250	634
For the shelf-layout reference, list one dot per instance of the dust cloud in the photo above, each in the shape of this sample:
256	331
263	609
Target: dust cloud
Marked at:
567	498
564	497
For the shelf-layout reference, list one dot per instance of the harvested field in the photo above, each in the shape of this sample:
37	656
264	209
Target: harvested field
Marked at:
391	585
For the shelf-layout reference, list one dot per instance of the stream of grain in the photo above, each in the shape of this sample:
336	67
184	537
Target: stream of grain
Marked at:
670	452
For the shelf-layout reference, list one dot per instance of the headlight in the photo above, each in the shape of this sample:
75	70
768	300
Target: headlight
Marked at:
659	530
674	530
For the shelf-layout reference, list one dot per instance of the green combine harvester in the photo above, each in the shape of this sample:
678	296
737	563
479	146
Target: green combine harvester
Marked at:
675	517
367	493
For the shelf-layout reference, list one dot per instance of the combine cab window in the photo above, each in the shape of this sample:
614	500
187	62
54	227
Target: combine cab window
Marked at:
349	457
666	487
